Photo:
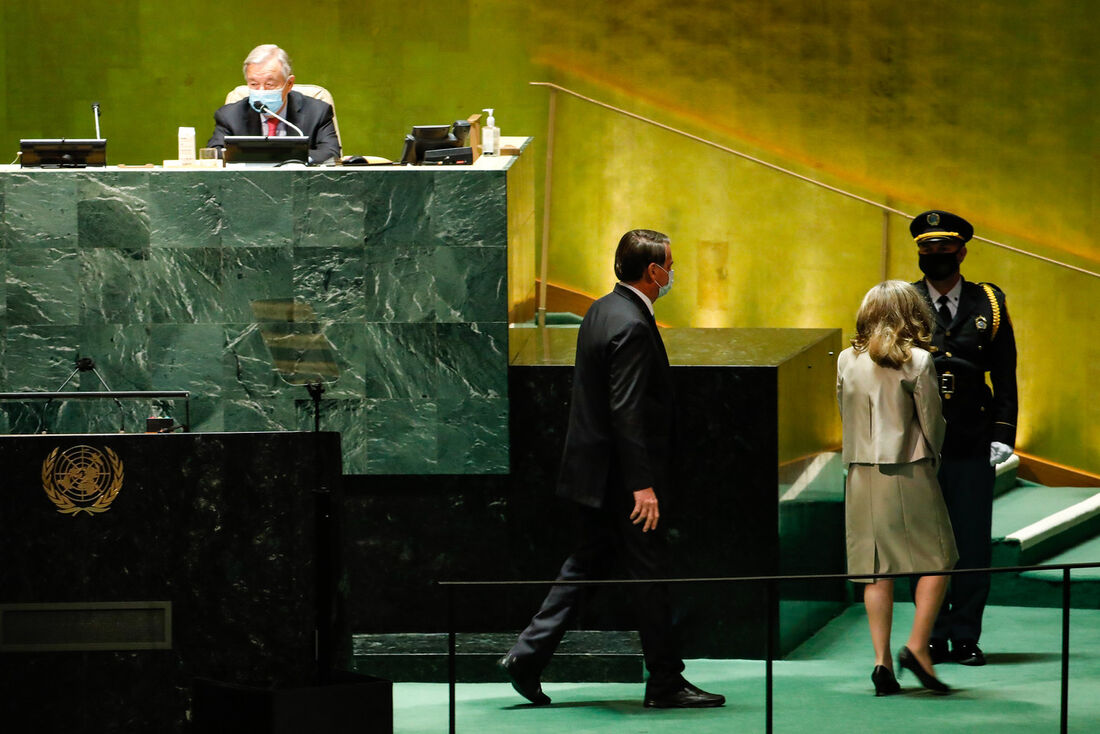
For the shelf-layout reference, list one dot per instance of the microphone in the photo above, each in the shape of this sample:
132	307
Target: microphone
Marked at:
95	112
261	107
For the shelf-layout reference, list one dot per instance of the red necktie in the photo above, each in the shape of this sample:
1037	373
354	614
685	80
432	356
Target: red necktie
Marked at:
272	127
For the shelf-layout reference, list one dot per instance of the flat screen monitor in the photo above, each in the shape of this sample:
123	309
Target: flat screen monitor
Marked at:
265	149
62	152
424	138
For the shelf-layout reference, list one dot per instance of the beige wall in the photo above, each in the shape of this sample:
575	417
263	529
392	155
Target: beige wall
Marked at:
987	108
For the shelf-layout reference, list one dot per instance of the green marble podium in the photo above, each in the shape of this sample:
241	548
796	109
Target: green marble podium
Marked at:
406	279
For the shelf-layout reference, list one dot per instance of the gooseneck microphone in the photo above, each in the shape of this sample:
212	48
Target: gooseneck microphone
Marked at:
261	107
95	113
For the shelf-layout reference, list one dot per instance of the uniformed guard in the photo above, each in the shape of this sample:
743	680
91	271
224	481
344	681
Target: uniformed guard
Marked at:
973	337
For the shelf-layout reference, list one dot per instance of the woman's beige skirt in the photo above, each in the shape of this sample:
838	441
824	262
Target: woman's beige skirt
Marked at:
896	520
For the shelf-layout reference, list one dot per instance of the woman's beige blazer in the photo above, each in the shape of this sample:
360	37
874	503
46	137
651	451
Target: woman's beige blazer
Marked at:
890	416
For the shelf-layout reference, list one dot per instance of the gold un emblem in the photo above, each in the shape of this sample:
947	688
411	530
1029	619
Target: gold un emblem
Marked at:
82	479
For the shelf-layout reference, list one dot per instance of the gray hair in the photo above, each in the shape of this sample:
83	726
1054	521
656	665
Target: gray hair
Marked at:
265	52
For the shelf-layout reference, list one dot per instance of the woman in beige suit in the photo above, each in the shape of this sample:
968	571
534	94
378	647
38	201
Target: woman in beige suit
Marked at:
895	515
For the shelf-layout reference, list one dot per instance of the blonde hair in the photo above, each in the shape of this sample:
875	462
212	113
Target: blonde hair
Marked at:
892	319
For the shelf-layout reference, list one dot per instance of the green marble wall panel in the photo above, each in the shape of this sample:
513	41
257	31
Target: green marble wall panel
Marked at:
437	284
463	214
402	274
400	361
254	274
401	432
331	210
479	290
468	355
467	436
332	279
257	208
184	210
39	210
43	284
111	213
37	355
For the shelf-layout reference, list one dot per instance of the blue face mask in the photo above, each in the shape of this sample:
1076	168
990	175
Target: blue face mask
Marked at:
273	98
664	289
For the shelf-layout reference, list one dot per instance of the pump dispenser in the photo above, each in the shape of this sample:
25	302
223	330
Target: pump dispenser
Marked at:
490	135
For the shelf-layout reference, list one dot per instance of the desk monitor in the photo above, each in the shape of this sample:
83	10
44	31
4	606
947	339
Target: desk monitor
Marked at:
266	149
424	138
62	152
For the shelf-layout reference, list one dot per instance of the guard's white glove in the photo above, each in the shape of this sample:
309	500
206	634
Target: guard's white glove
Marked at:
999	453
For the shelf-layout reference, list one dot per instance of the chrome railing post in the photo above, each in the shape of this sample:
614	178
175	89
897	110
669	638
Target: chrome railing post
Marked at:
451	672
773	628
548	187
1065	650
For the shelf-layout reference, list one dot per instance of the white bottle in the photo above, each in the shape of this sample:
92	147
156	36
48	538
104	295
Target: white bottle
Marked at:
187	146
490	135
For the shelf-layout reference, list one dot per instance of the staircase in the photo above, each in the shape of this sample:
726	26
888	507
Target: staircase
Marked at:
1035	524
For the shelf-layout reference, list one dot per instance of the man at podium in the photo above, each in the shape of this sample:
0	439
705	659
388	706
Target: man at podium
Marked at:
270	82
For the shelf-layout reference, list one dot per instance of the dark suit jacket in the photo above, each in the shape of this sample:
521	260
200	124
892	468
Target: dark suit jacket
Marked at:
978	340
312	115
621	418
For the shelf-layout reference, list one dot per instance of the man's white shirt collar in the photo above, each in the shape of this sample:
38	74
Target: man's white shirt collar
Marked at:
645	299
953	295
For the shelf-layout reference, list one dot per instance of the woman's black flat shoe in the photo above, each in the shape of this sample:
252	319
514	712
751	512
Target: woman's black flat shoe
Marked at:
907	661
885	682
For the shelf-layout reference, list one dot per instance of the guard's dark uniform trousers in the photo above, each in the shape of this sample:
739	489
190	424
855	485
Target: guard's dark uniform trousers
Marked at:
978	341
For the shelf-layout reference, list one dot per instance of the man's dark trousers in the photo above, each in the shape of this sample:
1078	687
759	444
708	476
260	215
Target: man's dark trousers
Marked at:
967	485
605	534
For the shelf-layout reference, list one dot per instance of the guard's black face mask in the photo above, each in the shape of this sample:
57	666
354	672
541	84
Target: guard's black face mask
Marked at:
938	265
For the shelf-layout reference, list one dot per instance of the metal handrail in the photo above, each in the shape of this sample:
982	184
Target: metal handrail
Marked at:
771	583
779	169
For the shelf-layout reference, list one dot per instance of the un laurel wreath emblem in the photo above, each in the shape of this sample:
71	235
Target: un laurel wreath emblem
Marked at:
82	479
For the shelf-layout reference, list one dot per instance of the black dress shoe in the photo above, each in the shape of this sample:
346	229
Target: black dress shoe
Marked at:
885	682
686	696
967	652
526	685
939	652
907	661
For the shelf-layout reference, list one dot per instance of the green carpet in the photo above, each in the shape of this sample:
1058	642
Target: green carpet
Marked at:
823	687
1087	552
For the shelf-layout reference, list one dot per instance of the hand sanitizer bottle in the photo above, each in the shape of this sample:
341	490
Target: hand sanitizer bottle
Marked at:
490	135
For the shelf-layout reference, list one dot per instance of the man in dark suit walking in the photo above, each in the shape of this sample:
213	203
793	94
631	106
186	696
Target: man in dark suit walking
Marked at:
615	467
270	80
973	336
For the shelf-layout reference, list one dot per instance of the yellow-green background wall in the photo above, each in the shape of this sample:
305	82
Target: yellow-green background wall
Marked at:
987	108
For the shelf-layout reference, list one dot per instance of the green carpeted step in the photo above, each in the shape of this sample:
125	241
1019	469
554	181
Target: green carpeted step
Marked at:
1029	503
1086	552
1034	522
